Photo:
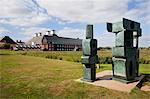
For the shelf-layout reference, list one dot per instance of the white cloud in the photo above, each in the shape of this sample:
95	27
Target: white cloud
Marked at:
106	39
96	11
22	13
144	41
28	14
71	33
31	31
4	30
61	22
34	12
85	10
26	21
142	10
147	19
13	8
147	11
19	8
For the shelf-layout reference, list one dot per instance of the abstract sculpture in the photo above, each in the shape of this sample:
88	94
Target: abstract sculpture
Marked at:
125	53
89	58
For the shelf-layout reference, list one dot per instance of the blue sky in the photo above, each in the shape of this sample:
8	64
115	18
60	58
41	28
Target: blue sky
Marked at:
20	19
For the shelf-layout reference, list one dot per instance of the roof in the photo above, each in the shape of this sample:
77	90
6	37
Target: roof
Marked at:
1	38
62	40
7	39
55	40
36	40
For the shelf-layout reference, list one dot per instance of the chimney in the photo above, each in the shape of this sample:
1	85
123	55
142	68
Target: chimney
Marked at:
40	34
48	33
36	34
52	32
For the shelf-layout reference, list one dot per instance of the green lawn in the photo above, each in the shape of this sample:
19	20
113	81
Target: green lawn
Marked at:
29	77
75	56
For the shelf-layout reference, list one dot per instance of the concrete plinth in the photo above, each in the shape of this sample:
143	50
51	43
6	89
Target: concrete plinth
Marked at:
104	79
145	88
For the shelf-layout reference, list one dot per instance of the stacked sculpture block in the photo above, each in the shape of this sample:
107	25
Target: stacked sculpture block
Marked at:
89	58
125	53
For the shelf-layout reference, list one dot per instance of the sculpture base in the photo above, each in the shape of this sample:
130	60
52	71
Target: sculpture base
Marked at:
104	79
123	80
89	73
87	80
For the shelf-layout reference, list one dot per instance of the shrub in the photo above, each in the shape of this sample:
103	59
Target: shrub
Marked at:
105	60
47	56
68	59
6	46
76	60
55	57
60	58
105	57
25	53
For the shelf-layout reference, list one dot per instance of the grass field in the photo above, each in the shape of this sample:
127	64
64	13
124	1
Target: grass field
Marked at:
75	56
29	77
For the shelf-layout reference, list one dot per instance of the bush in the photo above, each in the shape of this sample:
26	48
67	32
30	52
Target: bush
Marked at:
60	58
143	61
76	60
55	57
47	56
51	57
6	46
25	53
105	56
105	60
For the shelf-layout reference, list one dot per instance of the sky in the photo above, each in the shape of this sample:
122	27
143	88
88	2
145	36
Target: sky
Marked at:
21	19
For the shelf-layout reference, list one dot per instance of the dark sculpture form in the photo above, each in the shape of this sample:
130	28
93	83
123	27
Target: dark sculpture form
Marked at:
125	53
89	58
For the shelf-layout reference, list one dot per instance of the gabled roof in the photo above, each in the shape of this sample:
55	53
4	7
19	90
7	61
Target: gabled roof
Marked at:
1	38
55	40
62	40
7	39
36	40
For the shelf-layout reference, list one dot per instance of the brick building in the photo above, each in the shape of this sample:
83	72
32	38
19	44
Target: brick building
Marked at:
50	41
7	40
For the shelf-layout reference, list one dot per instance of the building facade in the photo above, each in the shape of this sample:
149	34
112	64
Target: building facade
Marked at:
52	42
6	40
